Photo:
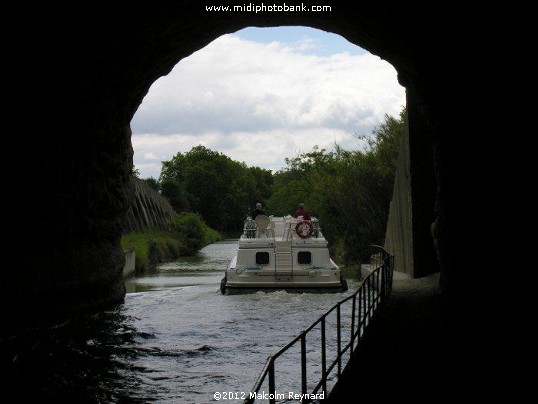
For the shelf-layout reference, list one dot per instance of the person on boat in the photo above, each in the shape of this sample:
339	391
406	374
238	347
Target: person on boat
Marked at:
257	211
302	212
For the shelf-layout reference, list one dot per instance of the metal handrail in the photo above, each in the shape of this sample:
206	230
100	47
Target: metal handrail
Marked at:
366	301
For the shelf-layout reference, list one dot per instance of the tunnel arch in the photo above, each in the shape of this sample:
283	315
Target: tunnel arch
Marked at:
101	61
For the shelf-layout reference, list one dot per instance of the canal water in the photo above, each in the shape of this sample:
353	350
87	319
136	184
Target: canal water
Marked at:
177	339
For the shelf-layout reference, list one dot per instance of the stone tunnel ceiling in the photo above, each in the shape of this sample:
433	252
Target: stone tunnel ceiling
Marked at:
88	68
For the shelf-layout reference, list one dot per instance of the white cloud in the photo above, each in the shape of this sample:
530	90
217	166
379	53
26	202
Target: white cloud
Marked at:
260	103
262	148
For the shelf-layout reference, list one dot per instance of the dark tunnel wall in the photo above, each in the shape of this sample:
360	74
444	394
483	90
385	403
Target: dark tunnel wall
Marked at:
77	82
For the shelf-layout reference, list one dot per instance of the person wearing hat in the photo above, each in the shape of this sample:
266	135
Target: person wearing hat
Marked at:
257	211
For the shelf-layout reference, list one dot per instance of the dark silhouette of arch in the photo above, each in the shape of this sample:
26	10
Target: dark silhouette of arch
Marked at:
84	71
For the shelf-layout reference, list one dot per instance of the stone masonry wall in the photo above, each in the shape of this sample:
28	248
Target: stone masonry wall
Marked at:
148	209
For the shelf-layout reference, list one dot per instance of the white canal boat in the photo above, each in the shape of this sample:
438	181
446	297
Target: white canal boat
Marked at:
282	253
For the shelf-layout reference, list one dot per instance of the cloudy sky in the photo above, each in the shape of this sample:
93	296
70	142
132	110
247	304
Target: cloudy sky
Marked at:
263	94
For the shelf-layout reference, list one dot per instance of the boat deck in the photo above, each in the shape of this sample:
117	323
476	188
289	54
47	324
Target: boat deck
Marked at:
272	230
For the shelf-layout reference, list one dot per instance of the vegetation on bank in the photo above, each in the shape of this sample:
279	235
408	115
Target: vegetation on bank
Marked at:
349	191
187	234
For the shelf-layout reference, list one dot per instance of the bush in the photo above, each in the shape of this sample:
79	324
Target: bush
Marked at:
152	247
189	228
211	235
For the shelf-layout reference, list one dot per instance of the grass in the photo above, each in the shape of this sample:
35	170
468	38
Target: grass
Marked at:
153	247
211	235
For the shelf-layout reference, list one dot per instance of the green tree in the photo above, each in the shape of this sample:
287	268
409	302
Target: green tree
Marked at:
349	191
189	228
220	189
173	191
153	183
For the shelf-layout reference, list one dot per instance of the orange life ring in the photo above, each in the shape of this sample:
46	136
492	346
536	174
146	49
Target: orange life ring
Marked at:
300	228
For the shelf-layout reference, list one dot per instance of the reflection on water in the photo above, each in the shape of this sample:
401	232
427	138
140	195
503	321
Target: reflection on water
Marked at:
175	339
84	358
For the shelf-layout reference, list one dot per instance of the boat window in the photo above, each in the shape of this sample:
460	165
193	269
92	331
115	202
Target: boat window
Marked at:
304	257
262	258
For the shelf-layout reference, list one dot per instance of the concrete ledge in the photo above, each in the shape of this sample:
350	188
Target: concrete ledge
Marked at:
129	267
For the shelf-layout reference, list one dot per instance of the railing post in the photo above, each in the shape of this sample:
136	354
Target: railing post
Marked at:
272	382
352	337
303	364
378	286
383	282
371	285
375	292
339	340
323	356
372	296
359	319
363	315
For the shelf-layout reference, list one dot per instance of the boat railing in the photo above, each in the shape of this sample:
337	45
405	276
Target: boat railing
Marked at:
365	303
249	228
290	232
252	229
